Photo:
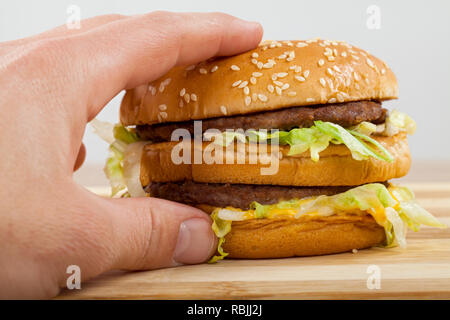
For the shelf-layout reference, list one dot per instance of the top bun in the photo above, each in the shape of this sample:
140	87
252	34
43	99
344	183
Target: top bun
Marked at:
275	75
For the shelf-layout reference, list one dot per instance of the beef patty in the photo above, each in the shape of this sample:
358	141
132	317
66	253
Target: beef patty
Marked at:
234	195
345	114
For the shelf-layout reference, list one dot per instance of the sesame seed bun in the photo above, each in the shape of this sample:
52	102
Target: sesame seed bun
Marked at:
305	73
288	237
336	167
285	237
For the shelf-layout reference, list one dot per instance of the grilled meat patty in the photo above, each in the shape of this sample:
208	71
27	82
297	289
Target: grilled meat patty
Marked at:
344	114
234	195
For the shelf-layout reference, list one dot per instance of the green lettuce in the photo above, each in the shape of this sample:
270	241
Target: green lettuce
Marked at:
394	208
221	228
118	138
315	139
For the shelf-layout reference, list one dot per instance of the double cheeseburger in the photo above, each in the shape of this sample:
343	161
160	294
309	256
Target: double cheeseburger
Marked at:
312	112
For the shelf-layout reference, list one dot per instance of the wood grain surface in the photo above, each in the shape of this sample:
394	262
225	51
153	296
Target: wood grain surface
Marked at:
421	271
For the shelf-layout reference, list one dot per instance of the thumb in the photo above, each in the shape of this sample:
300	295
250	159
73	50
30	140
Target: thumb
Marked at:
154	233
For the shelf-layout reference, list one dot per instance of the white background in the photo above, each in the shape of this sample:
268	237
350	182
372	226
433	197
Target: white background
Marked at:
413	39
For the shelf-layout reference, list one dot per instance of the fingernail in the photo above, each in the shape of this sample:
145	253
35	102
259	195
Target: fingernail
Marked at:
196	242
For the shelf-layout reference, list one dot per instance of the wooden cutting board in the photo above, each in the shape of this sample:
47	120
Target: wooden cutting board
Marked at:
422	270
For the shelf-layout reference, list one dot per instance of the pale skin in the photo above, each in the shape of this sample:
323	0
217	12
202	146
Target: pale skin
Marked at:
53	84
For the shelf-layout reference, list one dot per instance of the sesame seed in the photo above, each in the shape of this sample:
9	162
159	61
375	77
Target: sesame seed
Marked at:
270	88
254	61
253	80
301	45
235	84
310	100
300	78
320	62
285	86
254	96
355	57
193	97
163	114
274	77
214	69
278	83
332	100
340	97
283	56
181	104
344	54
161	87
268	65
223	109
335	52
370	63
192	67
255	55
330	72
292	93
356	76
259	65
298	69
162	107
247	100
282	74
235	67
246	91
383	71
262	97
293	67
160	117
182	92
322	82
336	68
278	90
187	98
292	54
306	74
257	74
354	250
202	71
243	84
331	58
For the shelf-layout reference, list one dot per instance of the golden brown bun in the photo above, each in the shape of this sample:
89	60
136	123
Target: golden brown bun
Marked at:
336	167
288	237
330	72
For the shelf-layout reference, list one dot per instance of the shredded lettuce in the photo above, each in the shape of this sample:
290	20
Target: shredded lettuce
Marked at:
221	228
393	208
315	139
118	138
321	134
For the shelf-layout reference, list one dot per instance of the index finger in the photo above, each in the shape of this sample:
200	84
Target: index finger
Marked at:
130	52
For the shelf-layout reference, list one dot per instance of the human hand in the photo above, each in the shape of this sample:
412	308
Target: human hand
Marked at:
52	85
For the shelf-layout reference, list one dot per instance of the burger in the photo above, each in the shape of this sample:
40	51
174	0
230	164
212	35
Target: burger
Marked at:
287	147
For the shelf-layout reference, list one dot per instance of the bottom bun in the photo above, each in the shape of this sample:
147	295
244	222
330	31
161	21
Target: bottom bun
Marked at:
289	237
